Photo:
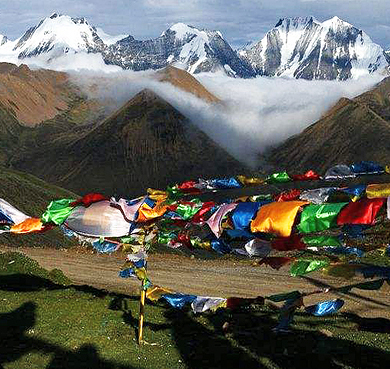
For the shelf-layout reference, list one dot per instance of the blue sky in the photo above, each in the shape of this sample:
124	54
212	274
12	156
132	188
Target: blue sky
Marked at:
240	21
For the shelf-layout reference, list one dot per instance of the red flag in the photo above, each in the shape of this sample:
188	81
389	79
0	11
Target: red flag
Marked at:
89	199
188	187
293	194
199	217
362	211
308	176
293	242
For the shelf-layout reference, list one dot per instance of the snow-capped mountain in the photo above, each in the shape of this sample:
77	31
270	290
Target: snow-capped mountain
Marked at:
57	35
182	45
307	48
296	48
193	49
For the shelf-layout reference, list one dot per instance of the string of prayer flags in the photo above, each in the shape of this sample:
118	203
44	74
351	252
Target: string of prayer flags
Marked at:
89	199
30	225
203	303
100	219
244	213
250	181
215	220
317	196
321	240
310	175
290	195
129	207
294	242
178	300
340	171
374	191
355	192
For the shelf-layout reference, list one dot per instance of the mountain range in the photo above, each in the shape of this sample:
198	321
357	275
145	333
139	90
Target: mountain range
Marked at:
295	47
306	48
149	143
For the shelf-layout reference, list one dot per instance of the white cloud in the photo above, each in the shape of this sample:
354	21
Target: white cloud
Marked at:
255	113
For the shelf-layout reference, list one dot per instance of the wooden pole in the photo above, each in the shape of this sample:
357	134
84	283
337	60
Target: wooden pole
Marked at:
141	313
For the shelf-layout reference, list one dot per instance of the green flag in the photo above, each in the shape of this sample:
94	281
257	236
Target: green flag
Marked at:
57	211
280	177
315	218
302	267
318	241
284	296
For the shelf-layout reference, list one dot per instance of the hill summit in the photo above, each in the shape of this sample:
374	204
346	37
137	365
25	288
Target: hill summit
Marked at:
146	143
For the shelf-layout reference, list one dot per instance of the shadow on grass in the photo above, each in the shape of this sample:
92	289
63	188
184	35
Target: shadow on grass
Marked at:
245	340
341	292
375	325
15	330
25	282
120	303
16	326
224	339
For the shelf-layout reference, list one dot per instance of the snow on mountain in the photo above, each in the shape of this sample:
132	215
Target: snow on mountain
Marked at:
185	46
295	47
108	39
193	49
387	55
57	35
306	48
3	39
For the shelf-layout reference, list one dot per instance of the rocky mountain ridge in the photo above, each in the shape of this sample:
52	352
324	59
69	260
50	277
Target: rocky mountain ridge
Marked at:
309	49
295	47
352	130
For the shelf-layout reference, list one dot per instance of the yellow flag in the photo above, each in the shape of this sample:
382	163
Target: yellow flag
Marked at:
374	191
154	293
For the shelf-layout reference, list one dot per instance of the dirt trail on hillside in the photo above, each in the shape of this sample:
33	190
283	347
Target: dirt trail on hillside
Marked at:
206	277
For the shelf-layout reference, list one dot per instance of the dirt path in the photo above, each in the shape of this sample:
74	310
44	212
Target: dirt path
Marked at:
205	277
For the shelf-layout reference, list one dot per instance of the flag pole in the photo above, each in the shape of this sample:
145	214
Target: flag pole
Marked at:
141	313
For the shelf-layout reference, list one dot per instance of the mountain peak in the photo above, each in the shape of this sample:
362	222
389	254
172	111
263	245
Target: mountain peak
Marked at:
302	47
56	35
183	30
335	23
185	82
295	21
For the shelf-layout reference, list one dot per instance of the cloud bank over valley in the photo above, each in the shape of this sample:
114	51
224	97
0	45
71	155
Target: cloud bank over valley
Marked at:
254	113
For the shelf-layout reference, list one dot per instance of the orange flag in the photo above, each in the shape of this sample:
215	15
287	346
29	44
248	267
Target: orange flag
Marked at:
28	226
277	217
